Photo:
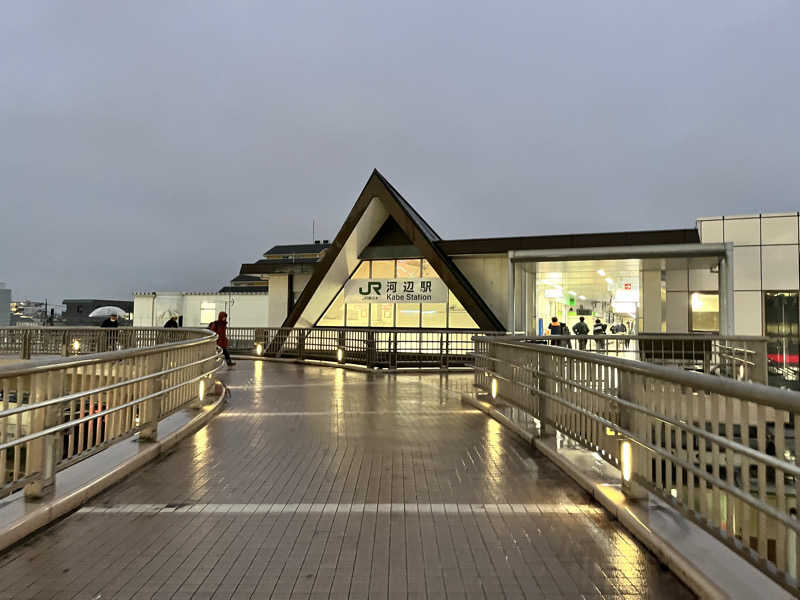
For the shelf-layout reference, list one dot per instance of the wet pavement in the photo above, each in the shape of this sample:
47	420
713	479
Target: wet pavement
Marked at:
325	483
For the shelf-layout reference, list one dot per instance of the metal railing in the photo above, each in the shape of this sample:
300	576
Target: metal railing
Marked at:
722	451
53	415
69	341
378	348
738	357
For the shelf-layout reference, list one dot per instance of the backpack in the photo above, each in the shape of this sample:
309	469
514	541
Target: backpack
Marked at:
213	326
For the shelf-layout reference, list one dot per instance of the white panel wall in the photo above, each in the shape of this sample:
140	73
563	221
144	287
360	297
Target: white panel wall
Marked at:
747	317
677	312
488	274
244	310
766	257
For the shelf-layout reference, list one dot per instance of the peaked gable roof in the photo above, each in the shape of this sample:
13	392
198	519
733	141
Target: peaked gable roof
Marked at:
418	232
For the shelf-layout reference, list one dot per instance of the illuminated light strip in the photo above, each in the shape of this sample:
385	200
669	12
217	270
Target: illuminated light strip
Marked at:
302	508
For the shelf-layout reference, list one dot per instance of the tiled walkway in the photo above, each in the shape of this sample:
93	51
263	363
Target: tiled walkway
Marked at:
324	483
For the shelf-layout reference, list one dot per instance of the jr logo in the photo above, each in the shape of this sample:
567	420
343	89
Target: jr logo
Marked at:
373	287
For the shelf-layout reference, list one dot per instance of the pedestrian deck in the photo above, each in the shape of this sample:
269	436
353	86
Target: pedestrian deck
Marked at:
318	482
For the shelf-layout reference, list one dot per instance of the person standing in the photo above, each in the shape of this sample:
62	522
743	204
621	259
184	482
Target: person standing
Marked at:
599	330
557	329
110	322
220	327
581	329
172	323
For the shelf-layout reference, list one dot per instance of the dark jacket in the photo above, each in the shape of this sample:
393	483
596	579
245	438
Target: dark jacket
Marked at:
220	327
558	329
599	329
109	323
580	328
171	323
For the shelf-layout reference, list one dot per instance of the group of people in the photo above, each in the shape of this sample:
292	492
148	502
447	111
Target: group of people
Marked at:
581	328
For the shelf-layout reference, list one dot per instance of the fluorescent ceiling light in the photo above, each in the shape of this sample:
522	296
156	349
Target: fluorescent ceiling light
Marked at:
609	280
601	272
582	297
571	293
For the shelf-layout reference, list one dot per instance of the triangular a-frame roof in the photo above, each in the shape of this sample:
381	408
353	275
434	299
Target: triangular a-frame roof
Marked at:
378	201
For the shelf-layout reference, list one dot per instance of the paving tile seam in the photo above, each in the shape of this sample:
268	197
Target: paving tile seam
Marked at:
329	508
315	413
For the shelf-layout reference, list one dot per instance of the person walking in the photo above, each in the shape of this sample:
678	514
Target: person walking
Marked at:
111	336
220	327
172	323
581	329
599	330
623	330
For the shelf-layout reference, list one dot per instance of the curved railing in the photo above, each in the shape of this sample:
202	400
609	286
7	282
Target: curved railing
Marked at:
57	413
722	451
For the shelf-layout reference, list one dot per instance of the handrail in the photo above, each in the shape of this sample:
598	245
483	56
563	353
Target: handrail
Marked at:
753	392
53	415
722	451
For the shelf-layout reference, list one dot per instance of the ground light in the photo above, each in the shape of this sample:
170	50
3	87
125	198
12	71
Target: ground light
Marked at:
259	349
339	355
626	460
76	345
201	390
494	387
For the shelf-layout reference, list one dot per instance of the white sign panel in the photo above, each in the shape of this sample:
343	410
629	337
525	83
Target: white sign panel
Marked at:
394	291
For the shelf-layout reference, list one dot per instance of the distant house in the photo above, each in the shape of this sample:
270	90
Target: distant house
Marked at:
77	311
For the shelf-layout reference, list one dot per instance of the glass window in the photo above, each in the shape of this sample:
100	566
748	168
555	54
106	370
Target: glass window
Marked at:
704	314
434	314
382	315
382	269
334	316
408	268
358	315
459	318
428	270
407	315
362	272
208	312
782	326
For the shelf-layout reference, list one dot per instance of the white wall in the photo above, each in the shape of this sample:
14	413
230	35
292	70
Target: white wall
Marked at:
488	274
766	257
244	309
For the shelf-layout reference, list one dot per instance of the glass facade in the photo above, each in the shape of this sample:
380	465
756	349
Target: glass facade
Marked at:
704	312
432	315
782	326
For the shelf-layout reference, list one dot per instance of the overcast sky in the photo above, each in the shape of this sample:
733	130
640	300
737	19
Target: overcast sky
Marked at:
158	145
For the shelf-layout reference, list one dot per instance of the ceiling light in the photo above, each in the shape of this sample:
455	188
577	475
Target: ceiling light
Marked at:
609	280
582	297
601	272
571	293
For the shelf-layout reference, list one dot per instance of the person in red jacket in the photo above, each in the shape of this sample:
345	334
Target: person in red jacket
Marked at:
220	327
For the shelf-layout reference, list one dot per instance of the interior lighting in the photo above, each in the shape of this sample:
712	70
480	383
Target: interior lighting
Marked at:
609	280
494	387
259	349
76	345
601	272
582	297
626	460
571	293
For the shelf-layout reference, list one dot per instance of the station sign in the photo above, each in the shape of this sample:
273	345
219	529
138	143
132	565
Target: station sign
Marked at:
395	291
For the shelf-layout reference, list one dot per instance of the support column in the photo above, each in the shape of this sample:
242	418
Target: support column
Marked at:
726	323
510	318
651	302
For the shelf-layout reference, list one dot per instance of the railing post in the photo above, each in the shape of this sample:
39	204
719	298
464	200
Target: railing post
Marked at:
759	370
150	410
42	452
631	388
301	344
25	351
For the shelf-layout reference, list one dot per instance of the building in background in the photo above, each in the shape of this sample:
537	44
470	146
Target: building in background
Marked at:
198	309
77	311
5	305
